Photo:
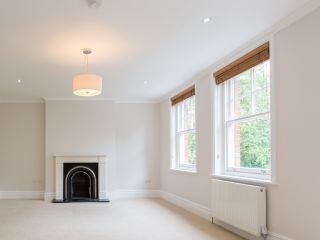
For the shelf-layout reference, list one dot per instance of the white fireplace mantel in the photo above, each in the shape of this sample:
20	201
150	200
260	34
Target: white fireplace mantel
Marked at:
100	159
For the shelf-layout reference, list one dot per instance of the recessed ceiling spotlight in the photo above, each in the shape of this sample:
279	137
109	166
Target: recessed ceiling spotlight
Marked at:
19	81
206	19
145	82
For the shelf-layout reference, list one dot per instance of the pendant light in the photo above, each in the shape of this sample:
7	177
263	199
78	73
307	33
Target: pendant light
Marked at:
87	85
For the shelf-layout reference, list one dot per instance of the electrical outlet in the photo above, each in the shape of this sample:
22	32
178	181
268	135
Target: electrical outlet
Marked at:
35	181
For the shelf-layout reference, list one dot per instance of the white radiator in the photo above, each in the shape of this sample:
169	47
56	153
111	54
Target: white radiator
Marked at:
240	205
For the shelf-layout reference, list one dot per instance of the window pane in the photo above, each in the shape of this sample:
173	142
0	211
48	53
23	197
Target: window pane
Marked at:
249	92
249	143
241	107
262	101
187	148
247	122
186	114
242	84
262	75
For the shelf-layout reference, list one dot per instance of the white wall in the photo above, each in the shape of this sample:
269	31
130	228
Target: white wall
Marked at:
32	133
79	128
21	147
126	133
192	186
294	203
137	146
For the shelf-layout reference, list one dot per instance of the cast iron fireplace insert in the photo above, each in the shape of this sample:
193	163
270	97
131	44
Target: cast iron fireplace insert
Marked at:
80	183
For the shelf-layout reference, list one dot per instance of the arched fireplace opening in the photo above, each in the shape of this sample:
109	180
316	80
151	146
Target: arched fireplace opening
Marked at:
80	183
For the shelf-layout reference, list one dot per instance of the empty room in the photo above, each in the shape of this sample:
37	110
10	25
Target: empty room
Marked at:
159	120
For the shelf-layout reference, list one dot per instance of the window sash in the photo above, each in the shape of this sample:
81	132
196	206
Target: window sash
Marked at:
227	99
178	164
254	92
227	134
247	118
262	171
230	98
180	123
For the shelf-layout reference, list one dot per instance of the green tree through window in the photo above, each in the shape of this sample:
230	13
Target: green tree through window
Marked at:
249	118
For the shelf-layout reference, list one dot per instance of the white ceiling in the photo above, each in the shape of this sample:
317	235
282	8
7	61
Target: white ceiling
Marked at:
163	42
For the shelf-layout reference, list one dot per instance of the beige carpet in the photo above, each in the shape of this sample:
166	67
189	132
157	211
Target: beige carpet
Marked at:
133	219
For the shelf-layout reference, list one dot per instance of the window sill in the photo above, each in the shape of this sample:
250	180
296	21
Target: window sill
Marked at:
187	171
244	180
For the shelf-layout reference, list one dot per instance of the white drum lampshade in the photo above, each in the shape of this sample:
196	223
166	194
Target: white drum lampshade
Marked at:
87	85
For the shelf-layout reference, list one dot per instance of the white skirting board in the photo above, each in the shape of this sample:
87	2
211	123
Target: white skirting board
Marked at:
29	195
275	236
49	196
204	212
190	206
119	194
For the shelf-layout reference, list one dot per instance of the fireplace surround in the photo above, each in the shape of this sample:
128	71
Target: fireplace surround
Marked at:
81	179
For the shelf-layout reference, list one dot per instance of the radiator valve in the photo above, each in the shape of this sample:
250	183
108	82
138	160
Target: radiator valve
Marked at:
264	232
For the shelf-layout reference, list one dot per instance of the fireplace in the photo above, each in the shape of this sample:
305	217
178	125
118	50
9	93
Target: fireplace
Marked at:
80	179
80	182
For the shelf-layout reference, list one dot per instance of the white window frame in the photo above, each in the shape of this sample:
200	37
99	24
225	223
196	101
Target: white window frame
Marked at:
175	137
220	169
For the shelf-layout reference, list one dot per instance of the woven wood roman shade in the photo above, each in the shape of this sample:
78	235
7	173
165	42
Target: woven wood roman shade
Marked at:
189	92
244	63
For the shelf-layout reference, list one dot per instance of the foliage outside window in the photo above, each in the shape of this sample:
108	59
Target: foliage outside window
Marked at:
185	135
247	127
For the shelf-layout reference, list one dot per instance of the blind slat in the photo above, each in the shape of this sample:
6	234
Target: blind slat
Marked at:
189	92
244	63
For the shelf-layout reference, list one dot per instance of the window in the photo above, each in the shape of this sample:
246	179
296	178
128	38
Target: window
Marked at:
244	142
184	133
